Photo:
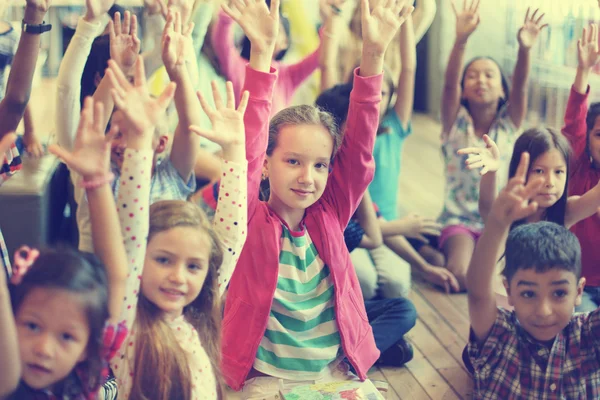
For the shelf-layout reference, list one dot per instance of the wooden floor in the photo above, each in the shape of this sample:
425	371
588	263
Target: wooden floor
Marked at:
440	335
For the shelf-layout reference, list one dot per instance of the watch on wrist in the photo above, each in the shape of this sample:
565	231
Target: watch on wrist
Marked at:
35	29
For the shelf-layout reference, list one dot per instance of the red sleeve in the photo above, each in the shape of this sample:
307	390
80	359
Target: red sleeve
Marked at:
256	120
575	127
353	167
232	65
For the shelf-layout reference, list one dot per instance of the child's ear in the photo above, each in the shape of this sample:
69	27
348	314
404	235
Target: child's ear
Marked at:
265	168
580	287
163	142
507	287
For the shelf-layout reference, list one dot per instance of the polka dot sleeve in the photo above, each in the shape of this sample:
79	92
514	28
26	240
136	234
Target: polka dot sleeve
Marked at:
133	208
230	220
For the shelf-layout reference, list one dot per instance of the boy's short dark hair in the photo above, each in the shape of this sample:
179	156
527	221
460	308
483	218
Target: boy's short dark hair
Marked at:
542	246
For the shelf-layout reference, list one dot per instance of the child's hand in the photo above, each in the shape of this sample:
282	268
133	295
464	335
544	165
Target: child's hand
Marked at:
514	201
488	158
227	123
587	48
35	10
174	42
142	112
90	157
260	24
416	226
467	20
441	277
124	42
380	25
95	9
184	7
32	144
7	141
530	30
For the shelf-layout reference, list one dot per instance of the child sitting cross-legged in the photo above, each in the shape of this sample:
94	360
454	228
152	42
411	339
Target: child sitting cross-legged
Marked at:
540	349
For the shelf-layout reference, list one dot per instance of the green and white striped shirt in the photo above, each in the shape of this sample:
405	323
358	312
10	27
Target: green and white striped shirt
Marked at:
302	336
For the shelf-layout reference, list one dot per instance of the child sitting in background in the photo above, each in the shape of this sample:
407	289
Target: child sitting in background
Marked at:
540	349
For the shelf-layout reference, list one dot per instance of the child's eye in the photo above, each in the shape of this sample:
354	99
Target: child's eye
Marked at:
560	171
538	171
528	294
162	260
32	326
320	165
560	293
292	162
195	267
67	337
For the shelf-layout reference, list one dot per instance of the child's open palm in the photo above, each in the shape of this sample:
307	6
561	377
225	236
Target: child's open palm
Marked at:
514	202
260	24
467	20
227	122
379	26
141	110
124	42
488	158
531	29
90	157
587	47
174	41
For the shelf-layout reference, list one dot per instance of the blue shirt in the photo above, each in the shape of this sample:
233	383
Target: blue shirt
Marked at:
388	148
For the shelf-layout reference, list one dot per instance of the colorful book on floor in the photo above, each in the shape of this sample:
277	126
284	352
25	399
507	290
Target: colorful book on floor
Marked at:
336	390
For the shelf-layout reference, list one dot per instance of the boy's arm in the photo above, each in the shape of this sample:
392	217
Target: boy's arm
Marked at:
406	82
20	80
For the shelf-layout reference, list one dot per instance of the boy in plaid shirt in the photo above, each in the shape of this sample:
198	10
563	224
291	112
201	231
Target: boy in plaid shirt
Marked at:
541	350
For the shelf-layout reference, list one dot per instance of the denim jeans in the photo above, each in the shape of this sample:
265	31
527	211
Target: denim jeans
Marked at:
590	300
390	320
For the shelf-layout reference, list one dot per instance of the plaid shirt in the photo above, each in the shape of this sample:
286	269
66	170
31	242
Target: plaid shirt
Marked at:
512	365
11	164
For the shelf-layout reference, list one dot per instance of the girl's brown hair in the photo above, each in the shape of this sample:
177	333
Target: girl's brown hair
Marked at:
300	115
166	373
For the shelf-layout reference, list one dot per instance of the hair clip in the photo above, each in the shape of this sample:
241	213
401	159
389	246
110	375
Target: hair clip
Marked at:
24	259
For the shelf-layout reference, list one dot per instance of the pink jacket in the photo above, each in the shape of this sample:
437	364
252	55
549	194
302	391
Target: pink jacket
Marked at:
583	177
254	281
233	66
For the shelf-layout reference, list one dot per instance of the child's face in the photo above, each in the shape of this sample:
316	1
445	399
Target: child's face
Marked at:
544	302
595	142
53	335
176	265
298	168
551	167
483	83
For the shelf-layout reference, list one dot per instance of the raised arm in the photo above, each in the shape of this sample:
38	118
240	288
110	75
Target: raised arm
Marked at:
261	25
575	128
527	37
406	82
582	207
90	159
18	88
353	168
367	219
68	85
423	17
467	21
230	220
185	143
330	46
513	203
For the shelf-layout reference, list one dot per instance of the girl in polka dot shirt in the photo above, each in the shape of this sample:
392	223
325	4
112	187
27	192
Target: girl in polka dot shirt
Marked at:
179	264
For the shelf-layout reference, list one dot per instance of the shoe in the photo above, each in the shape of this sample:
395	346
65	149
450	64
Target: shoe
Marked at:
397	355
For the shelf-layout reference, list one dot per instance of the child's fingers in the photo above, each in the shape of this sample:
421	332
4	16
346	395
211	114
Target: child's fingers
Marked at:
469	150
114	129
217	96
134	26
127	23
243	102
453	282
239	4
7	141
453	4
527	15
58	151
111	31
532	187
166	96
523	167
234	14
275	9
421	238
98	114
364	8
476	8
139	74
208	110
118	78
230	94
539	20
118	99
475	164
484	170
117	22
526	211
177	23
189	29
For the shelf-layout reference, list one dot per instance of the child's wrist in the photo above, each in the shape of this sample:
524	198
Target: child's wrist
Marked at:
234	153
95	181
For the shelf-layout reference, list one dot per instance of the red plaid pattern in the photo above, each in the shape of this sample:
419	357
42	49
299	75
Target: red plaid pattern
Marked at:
512	365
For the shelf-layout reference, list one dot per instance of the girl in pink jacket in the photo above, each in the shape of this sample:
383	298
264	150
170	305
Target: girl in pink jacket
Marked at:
294	308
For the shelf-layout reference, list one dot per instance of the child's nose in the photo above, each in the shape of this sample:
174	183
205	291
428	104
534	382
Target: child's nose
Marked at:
44	346
177	275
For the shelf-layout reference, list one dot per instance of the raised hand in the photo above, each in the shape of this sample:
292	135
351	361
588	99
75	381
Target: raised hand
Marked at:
124	42
184	7
174	42
515	201
227	122
488	158
588	54
90	157
467	20
380	25
35	10
142	111
95	9
531	29
260	24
